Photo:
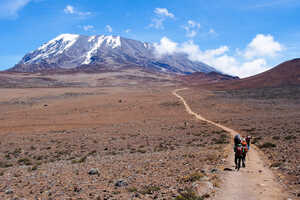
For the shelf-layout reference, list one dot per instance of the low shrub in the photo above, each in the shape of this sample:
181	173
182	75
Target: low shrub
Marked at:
267	145
290	137
192	177
275	137
188	194
24	161
149	189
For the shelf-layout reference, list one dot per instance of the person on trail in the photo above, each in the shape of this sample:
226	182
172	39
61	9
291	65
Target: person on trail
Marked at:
245	151
238	156
248	138
237	141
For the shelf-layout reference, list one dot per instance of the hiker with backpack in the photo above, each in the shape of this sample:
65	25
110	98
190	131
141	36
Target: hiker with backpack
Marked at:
240	149
248	138
238	156
244	151
237	140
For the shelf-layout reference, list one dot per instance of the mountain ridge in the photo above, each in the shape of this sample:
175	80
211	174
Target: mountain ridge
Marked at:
70	51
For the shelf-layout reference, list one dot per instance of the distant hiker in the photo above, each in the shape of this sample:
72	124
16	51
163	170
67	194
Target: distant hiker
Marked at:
248	138
245	151
186	124
238	156
237	141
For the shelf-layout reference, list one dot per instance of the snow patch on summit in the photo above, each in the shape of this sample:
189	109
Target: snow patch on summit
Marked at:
94	49
56	46
111	41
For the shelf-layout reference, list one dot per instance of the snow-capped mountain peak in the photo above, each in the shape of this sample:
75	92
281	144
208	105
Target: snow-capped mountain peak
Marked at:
71	51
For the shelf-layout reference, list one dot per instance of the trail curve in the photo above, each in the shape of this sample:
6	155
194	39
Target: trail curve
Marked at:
255	182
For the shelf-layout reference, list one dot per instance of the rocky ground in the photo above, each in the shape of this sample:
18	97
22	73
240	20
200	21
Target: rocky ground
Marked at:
271	116
105	143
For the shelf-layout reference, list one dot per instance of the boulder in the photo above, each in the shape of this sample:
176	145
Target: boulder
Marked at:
203	188
121	183
93	171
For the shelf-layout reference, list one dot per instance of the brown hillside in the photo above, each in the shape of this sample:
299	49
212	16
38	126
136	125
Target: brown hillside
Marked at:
284	74
200	78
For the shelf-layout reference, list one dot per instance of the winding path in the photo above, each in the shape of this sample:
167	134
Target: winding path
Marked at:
255	182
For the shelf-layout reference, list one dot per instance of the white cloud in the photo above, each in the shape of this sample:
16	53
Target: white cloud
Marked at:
262	45
218	58
193	24
71	10
161	15
108	28
166	46
212	31
127	30
88	27
163	12
10	8
191	33
191	28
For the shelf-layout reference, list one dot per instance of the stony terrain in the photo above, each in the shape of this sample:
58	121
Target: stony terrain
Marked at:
105	143
124	135
270	115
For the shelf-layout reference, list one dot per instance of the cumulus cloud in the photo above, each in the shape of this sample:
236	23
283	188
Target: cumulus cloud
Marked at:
262	45
71	10
161	14
219	58
108	28
10	8
166	46
191	28
88	27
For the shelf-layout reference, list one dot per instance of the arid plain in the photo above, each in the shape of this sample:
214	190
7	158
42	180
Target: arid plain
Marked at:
134	139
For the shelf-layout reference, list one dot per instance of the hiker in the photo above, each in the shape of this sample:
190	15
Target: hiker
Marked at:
238	156
245	151
248	138
237	140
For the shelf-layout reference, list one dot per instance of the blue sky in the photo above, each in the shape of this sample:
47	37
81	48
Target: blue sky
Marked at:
238	37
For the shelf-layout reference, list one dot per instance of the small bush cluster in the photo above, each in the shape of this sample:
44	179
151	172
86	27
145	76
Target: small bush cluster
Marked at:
188	194
192	177
267	145
149	189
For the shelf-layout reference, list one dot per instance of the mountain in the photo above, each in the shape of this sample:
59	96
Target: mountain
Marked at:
79	52
200	78
284	74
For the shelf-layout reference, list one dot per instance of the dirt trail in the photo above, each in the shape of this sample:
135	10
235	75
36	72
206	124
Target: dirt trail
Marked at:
255	182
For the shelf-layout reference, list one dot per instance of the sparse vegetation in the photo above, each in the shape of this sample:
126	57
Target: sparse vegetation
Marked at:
290	137
276	137
80	160
149	189
188	194
192	177
132	189
267	145
24	161
170	104
4	164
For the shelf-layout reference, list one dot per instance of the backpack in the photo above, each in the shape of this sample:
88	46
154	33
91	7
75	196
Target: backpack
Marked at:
245	147
239	150
248	139
237	139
